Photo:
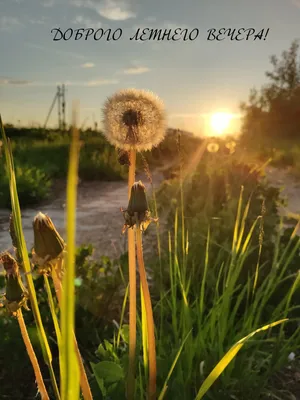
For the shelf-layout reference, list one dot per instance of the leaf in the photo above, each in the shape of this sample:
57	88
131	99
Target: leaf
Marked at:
219	368
108	371
99	380
124	332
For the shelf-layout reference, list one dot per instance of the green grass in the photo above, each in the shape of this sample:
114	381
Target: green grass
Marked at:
225	296
42	159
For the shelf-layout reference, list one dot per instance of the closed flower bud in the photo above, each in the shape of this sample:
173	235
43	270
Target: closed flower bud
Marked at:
48	244
16	295
138	200
138	210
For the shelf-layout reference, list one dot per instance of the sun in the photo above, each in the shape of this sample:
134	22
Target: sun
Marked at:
220	121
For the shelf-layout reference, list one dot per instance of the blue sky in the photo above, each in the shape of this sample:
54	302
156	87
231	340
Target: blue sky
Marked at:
194	78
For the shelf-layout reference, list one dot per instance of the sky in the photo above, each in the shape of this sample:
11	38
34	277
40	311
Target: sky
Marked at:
194	78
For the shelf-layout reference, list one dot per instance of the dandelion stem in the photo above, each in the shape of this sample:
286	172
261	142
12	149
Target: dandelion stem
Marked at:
132	288
84	383
32	356
149	314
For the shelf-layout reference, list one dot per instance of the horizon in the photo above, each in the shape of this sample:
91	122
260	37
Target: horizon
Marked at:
195	78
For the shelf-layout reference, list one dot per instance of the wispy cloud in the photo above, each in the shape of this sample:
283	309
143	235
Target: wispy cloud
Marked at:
40	21
17	82
100	82
26	83
135	70
87	22
116	10
87	65
9	23
48	3
55	51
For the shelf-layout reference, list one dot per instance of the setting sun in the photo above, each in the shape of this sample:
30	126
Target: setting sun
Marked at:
219	122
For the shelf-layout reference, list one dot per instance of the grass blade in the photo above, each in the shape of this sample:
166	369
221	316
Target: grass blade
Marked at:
219	368
68	360
165	387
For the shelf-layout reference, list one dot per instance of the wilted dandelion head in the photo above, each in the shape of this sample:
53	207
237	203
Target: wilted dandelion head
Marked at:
212	147
134	118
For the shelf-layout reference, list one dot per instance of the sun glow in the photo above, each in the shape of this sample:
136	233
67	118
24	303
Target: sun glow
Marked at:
220	121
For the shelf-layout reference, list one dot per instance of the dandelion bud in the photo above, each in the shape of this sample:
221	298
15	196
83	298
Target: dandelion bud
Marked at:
16	294
48	244
138	201
138	210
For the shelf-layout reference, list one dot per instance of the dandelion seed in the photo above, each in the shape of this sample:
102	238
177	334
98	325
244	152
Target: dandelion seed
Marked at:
291	356
134	119
213	147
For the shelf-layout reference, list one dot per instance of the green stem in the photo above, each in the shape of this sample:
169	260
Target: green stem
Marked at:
52	309
149	314
84	383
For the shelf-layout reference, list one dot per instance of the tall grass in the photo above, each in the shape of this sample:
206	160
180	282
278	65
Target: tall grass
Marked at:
23	254
201	327
68	357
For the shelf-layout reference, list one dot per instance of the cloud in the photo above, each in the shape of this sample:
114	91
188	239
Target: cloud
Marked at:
87	23
55	51
25	83
16	82
116	10
9	23
135	70
48	3
38	21
87	65
101	82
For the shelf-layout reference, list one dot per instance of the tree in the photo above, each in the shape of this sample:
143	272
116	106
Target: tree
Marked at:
274	111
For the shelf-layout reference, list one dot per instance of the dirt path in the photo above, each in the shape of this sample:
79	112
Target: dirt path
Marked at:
99	219
290	190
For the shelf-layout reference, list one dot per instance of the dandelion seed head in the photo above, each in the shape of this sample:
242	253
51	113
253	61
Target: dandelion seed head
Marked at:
134	118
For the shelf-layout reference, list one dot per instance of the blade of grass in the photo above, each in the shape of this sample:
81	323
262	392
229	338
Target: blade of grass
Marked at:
69	362
165	386
219	368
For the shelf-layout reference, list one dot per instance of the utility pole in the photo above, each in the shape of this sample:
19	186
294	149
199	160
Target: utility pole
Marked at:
63	108
59	106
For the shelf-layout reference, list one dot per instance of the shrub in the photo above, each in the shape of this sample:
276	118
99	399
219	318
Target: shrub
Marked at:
33	186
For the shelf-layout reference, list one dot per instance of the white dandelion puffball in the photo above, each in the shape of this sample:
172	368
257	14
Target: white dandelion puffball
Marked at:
134	119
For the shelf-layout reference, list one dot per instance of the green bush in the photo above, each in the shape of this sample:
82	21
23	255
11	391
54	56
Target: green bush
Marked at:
33	186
